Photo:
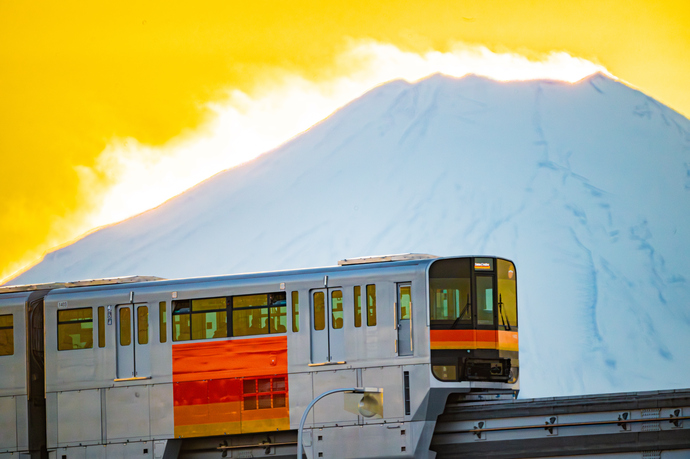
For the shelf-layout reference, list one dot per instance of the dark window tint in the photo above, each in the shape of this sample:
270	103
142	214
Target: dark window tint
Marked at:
143	324
507	295
319	311
358	306
181	320
405	302
450	293
485	300
125	326
75	329
295	311
371	305
163	321
101	326
209	318
6	334
337	309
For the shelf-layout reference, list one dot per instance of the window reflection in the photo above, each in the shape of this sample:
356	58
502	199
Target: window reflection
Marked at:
485	300
75	329
337	309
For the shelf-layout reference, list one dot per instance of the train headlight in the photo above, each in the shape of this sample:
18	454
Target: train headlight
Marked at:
368	404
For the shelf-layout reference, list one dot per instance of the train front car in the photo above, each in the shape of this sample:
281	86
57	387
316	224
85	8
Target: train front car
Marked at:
473	324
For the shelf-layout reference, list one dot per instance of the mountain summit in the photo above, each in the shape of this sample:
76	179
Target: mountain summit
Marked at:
585	186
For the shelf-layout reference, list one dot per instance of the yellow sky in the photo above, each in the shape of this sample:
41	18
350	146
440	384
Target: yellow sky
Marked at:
76	78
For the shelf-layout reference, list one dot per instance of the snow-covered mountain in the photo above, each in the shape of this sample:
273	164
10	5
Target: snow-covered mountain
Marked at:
586	186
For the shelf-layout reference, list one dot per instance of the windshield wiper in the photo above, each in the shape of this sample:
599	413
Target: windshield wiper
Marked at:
502	314
465	309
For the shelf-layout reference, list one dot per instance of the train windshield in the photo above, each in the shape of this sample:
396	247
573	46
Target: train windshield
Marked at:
449	288
470	292
507	295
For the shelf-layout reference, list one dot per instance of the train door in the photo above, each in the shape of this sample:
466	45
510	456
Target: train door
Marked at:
327	337
132	328
404	314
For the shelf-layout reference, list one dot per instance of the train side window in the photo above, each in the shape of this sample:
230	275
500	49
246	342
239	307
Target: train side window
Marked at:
209	318
319	311
371	305
6	334
163	321
295	311
337	309
101	326
181	321
277	313
358	305
125	326
75	329
259	314
143	325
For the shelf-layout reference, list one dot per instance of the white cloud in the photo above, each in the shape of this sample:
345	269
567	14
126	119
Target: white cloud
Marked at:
245	125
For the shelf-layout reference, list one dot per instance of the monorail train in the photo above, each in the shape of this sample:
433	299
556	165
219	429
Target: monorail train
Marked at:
226	366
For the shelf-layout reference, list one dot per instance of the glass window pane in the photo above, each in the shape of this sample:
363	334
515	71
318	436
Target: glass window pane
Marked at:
75	329
337	309
264	385
208	304
279	384
358	306
125	327
278	400
277	299
371	305
450	293
248	301
7	334
405	302
143	325
264	401
181	329
206	325
319	311
507	295
163	321
249	386
181	307
249	321
295	311
485	300
101	326
278	320
72	315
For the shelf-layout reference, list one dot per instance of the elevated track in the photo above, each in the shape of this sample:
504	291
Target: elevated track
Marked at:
642	425
645	425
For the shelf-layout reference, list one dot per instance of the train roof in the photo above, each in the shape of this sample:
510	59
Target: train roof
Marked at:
81	283
369	262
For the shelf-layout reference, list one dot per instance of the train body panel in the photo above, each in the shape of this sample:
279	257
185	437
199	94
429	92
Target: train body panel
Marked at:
212	358
14	390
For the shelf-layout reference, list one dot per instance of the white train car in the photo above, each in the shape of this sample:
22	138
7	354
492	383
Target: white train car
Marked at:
226	366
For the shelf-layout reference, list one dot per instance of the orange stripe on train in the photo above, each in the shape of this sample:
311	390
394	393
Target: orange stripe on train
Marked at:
230	386
474	339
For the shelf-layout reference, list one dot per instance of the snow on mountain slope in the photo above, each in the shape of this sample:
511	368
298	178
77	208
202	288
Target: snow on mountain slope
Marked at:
585	186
